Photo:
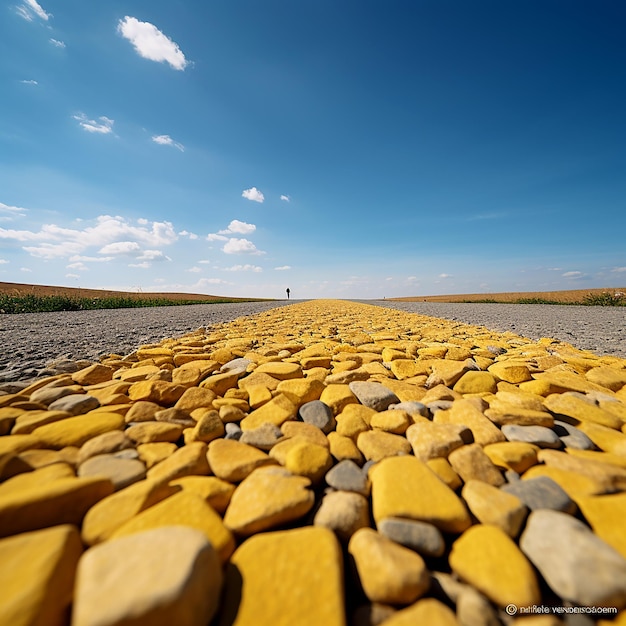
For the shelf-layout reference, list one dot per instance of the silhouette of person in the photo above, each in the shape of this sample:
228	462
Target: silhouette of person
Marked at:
288	292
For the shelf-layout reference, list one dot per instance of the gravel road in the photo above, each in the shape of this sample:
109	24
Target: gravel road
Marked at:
29	342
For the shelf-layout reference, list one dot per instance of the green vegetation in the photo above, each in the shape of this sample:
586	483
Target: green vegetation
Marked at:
601	299
39	304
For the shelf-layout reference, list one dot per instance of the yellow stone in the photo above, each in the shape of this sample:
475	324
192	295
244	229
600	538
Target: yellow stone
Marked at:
445	472
214	490
408	368
267	498
195	398
18	443
258	395
343	448
159	391
419	495
606	514
605	438
609	377
514	455
391	421
42	476
337	397
209	426
560	381
309	460
491	505
573	483
93	374
350	424
598	455
63	501
579	409
286	578
476	382
37	576
425	611
430	440
510	371
470	462
277	411
448	371
142	411
488	559
185	509
30	420
280	370
233	460
107	515
377	445
75	431
152	432
301	390
365	413
186	461
136	374
219	384
388	572
465	413
501	414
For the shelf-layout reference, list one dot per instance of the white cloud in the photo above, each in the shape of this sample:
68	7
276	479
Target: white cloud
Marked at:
573	275
619	269
29	82
150	43
3	261
240	246
185	233
81	267
166	140
244	268
121	247
204	261
57	43
242	228
194	270
144	266
285	198
211	281
153	255
444	276
72	276
103	127
90	259
283	268
31	9
216	237
53	250
9	213
253	194
25	269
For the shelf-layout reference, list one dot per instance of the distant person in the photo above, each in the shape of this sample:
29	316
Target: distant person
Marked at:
288	292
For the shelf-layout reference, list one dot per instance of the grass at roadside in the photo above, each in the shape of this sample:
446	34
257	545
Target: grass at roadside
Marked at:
605	299
39	304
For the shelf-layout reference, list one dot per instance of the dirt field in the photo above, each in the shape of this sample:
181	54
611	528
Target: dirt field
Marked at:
574	295
21	289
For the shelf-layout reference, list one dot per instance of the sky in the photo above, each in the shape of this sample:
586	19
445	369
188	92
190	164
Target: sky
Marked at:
339	148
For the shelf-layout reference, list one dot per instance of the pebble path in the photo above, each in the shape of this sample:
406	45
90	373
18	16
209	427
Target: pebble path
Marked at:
328	462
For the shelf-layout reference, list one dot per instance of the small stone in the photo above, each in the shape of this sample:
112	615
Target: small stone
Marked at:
537	435
510	371
609	377
92	375
350	424
491	505
343	512
214	490
265	437
280	370
572	405
343	448
444	472
37	577
411	407
76	404
292	577
182	509
306	431
277	411
267	498
476	382
377	445
424	611
174	415
134	580
420	495
319	414
161	392
573	483
421	537
606	514
301	390
121	472
395	422
577	565
466	414
471	463
75	431
348	476
488	559
152	432
571	437
208	427
219	384
512	455
373	395
188	460
607	439
337	397
541	493
112	441
153	453
232	460
388	572
195	398
308	459
142	411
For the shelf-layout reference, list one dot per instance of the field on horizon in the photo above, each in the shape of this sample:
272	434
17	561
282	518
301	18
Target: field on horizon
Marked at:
565	297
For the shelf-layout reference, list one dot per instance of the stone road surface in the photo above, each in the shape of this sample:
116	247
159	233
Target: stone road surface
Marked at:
324	463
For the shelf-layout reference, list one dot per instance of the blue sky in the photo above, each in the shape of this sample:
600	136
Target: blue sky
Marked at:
339	148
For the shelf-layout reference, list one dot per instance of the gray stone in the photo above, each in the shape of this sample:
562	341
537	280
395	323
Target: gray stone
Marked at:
343	512
419	536
168	575
238	365
572	437
537	435
49	394
541	493
120	471
76	404
106	443
233	431
319	414
348	476
440	405
264	437
577	565
412	408
373	395
174	415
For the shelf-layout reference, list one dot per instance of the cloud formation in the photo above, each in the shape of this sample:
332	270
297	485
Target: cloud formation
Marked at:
9	213
253	194
244	268
32	9
166	140
29	82
240	246
103	127
150	43
283	268
57	43
285	198
236	226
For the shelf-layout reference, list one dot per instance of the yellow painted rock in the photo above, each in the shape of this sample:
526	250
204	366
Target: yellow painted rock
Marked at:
195	398
426	611
277	411
510	371
607	439
159	391
343	448
609	377
188	460
219	384
232	460
37	576
286	578
606	515
465	413
63	501
214	490
488	559
515	455
269	497
183	509
430	440
419	495
337	397
75	431
574	484
476	382
152	432
280	370
579	409
444	471
309	459
391	421
301	390
377	444
471	463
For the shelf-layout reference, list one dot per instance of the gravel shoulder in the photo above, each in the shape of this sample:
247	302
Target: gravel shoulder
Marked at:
30	342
